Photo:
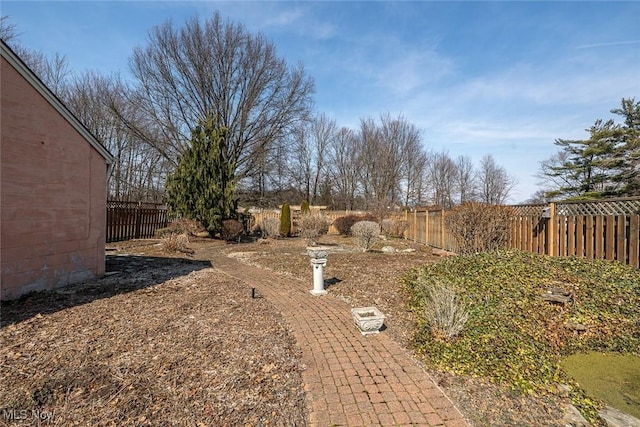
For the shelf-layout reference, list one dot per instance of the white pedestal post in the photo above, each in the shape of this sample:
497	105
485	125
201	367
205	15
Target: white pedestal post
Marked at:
318	276
318	261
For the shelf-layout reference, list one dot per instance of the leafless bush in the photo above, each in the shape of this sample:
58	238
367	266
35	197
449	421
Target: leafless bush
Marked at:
477	227
270	227
231	229
392	227
175	242
446	315
366	233
181	226
344	223
313	225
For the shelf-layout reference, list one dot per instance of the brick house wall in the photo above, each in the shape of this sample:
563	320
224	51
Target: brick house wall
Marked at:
53	187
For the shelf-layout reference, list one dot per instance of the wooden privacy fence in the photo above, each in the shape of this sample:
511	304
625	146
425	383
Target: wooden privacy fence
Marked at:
134	220
605	229
426	226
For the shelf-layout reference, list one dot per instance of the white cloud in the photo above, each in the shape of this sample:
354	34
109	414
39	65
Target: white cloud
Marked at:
555	84
299	21
608	44
412	70
283	18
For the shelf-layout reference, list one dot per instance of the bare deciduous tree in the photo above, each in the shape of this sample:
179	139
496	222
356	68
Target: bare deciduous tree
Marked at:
52	70
442	179
495	184
8	30
369	153
139	170
538	197
466	181
415	176
344	161
390	156
217	69
409	159
309	155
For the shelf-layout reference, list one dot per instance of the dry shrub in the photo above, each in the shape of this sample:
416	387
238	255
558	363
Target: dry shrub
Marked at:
392	227
477	227
366	233
174	242
270	227
344	223
446	315
182	226
232	229
313	225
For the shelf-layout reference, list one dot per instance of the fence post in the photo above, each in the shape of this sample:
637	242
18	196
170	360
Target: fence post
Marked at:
415	225
552	230
442	229
138	220
426	227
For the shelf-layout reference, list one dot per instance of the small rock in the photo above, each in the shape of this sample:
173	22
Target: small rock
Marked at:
563	390
576	327
615	418
573	418
560	299
441	252
408	250
388	249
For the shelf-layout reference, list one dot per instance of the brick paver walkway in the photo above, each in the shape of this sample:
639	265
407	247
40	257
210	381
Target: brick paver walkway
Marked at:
350	379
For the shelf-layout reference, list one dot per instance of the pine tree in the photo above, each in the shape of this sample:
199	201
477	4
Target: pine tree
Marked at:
628	152
203	184
607	164
285	220
584	168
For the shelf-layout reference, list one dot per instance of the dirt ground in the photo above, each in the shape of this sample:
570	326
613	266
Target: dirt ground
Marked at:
164	341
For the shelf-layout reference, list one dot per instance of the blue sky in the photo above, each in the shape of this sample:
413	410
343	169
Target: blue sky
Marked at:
499	78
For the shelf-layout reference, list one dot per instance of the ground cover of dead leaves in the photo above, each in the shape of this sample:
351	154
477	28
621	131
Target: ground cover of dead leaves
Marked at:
167	341
190	350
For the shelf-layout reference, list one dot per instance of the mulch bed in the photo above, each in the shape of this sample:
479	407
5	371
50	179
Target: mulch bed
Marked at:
166	341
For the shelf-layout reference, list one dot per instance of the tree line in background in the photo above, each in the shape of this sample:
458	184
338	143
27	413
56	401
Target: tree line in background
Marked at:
211	85
276	146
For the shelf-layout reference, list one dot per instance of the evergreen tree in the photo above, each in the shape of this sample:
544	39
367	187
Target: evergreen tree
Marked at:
607	164
285	220
627	154
203	184
304	208
583	168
